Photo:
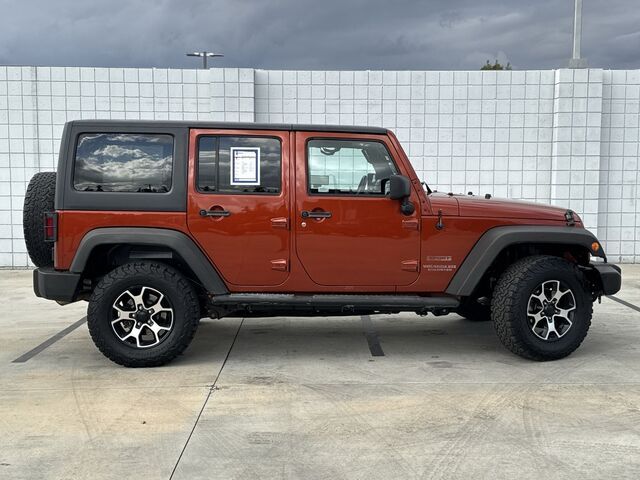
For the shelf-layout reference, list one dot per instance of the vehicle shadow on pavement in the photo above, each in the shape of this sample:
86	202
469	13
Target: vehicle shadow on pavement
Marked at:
401	337
342	337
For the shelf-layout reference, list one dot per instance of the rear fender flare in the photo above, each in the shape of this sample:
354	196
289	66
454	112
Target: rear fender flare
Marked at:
172	239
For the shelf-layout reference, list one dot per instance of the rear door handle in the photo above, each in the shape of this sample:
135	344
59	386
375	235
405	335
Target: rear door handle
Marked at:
214	213
316	214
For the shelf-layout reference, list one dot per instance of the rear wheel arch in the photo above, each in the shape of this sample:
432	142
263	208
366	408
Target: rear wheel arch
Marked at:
103	249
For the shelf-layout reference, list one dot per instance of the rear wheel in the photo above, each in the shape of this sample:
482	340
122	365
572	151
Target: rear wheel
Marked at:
143	314
38	199
541	309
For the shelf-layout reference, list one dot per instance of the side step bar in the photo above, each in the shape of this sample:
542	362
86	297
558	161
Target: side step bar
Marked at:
346	303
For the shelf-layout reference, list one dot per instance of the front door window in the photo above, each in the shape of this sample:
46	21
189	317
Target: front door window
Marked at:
348	167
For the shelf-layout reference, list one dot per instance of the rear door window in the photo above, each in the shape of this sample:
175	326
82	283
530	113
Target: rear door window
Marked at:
234	164
123	162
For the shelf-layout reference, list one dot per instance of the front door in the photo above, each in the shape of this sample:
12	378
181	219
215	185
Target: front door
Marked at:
239	203
348	231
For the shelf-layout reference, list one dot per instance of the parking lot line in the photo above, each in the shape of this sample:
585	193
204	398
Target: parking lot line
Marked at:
50	341
206	400
626	304
371	335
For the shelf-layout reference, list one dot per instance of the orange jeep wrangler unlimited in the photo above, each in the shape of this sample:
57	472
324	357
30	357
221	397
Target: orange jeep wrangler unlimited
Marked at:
160	223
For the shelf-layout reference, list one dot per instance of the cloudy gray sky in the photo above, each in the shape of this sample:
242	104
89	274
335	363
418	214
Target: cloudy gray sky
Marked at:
321	34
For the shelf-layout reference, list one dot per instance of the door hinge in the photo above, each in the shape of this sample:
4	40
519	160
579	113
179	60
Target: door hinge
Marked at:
409	265
280	264
411	224
280	222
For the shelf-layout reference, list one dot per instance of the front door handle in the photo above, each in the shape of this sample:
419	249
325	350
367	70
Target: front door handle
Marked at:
214	213
315	214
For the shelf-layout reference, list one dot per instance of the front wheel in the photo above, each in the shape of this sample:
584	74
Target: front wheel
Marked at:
143	314
541	309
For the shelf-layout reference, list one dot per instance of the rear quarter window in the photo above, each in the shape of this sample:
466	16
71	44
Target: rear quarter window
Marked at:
123	162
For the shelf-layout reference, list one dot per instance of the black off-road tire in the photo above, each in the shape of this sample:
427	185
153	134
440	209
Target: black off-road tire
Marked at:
168	281
473	311
38	199
510	301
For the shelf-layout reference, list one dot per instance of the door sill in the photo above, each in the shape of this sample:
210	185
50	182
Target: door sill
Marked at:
332	303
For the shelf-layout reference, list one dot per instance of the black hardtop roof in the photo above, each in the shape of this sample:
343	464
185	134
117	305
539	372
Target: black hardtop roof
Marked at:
228	126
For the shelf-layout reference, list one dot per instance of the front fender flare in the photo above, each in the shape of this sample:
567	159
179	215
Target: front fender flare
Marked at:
495	240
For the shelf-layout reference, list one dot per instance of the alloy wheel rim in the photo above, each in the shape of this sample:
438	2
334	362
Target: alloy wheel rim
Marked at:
551	310
142	317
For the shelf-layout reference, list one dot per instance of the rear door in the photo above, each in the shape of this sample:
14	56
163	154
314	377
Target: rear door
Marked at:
238	208
348	232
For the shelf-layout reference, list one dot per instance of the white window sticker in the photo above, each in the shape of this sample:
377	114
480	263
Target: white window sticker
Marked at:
245	166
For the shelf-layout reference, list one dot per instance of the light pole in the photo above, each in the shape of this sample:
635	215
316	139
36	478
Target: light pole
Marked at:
576	60
204	56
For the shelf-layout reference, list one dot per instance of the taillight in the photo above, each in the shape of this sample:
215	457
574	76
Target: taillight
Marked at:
50	226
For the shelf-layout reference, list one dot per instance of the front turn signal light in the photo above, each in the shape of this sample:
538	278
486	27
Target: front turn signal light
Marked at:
595	246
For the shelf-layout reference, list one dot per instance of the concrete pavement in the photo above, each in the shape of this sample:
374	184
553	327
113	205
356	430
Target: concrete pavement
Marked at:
305	398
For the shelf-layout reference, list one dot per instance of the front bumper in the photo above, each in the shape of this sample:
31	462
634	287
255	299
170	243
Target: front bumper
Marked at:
56	285
610	277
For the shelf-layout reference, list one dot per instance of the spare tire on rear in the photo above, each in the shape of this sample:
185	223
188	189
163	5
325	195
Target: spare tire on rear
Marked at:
38	200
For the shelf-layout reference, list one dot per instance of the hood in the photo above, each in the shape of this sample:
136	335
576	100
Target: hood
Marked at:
479	206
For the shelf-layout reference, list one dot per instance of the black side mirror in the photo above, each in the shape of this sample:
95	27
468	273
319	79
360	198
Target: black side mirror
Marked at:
400	189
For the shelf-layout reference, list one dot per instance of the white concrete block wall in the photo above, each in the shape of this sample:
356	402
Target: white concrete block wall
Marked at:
232	94
575	154
619	197
567	137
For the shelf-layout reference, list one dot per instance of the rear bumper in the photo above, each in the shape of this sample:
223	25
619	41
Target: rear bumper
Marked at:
610	277
55	285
